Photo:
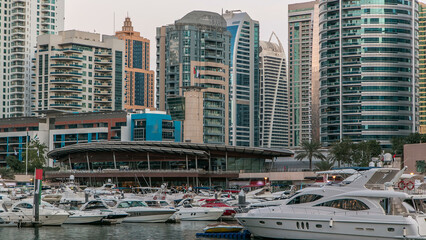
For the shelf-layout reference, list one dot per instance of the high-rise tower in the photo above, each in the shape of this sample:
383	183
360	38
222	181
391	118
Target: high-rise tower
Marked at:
139	83
20	24
303	76
245	80
422	67
369	69
79	72
273	95
193	75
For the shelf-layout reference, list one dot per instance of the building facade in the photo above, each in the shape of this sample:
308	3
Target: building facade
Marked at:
57	129
245	80
422	67
193	55
78	72
139	83
303	74
273	95
369	70
20	24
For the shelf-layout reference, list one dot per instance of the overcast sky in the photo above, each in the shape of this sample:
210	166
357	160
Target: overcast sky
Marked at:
146	15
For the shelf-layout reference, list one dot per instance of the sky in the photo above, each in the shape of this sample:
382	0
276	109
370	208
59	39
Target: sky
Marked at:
146	15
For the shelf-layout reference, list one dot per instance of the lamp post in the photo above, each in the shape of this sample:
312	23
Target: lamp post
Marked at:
26	155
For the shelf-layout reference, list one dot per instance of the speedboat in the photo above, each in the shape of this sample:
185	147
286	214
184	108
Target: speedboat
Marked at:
111	216
349	210
189	213
140	212
49	215
223	228
228	211
82	217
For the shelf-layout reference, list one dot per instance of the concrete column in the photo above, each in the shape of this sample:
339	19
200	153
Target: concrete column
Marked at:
88	163
196	162
186	159
69	161
115	163
210	162
226	161
149	165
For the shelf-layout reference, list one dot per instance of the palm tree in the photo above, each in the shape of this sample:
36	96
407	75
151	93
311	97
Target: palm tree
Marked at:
310	150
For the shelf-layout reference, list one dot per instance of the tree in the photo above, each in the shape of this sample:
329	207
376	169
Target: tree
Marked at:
15	164
324	165
398	142
7	173
310	150
36	155
363	152
341	152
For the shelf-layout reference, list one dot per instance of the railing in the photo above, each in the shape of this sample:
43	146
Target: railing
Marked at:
144	170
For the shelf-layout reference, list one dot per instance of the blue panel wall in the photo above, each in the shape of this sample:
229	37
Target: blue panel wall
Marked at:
178	131
154	126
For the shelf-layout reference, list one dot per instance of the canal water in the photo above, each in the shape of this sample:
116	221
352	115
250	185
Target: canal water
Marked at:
141	231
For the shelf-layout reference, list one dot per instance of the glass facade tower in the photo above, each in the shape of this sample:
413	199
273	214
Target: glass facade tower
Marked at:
193	75
369	69
244	80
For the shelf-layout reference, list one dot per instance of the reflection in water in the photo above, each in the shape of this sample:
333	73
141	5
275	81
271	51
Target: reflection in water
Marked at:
140	231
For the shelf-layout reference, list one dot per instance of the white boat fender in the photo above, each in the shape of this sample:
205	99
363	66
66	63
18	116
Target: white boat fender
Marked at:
404	232
331	223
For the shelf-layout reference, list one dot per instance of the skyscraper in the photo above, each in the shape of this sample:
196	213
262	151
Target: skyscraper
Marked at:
79	72
20	24
422	66
369	70
139	83
303	76
193	75
273	95
245	80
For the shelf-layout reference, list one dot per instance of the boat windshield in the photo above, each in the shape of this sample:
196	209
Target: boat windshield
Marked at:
95	205
129	204
306	198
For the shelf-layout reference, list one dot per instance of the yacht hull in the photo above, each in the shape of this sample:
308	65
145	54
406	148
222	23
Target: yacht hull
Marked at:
337	229
199	215
83	219
148	216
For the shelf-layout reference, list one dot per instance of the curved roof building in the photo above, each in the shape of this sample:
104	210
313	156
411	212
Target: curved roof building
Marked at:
172	162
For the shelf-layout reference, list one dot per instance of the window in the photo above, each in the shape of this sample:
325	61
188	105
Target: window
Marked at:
346	204
304	199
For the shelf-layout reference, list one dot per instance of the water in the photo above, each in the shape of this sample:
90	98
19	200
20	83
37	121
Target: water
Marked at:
126	231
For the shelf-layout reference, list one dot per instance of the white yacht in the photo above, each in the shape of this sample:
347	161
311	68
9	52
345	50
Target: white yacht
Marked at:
139	212
349	210
82	217
190	213
24	211
111	216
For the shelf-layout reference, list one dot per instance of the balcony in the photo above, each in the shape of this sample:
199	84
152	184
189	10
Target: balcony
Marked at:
99	61
103	76
66	97
104	69
103	53
66	89
66	57
63	105
66	81
62	65
97	92
98	84
66	73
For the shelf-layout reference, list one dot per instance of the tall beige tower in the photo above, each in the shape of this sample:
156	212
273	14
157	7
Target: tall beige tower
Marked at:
303	77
